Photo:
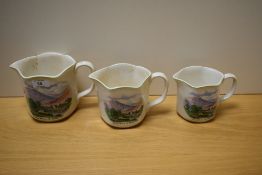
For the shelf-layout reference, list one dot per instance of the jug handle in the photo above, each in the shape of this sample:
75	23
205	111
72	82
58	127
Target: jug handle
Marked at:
233	87
163	96
92	68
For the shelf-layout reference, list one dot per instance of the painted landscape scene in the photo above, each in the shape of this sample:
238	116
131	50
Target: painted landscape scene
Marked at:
48	102
124	109
201	105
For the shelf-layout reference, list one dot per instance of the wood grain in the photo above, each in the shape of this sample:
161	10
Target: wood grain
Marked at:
163	144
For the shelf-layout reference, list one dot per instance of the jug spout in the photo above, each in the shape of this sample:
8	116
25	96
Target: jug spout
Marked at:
16	66
185	77
95	78
177	78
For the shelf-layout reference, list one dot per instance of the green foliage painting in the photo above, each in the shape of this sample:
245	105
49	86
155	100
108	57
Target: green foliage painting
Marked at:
122	110
52	111
117	116
201	105
197	111
48	102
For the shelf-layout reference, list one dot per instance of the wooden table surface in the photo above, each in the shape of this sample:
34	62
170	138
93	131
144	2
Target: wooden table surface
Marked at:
163	144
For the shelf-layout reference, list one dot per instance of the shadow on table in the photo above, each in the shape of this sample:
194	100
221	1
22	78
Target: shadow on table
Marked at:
157	112
87	105
224	107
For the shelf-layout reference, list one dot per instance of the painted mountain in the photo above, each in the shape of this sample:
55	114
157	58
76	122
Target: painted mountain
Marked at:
201	105
50	101
124	109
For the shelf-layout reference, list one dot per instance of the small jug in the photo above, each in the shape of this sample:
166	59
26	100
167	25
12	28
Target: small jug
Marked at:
198	92
50	85
123	91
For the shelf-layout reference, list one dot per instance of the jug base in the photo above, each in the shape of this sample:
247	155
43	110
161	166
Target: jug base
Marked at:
39	119
121	126
203	120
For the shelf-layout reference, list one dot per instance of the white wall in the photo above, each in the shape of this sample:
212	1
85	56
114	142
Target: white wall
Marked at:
158	34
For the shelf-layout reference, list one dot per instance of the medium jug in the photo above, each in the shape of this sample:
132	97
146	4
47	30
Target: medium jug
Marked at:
123	91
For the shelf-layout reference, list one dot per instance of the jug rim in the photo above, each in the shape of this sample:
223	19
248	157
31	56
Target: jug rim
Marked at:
175	77
138	85
15	65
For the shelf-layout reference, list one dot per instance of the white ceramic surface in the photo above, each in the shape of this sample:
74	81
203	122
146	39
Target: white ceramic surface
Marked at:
50	86
123	91
198	90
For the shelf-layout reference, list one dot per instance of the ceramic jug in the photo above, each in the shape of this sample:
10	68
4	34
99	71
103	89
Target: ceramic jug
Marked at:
123	91
50	86
198	90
